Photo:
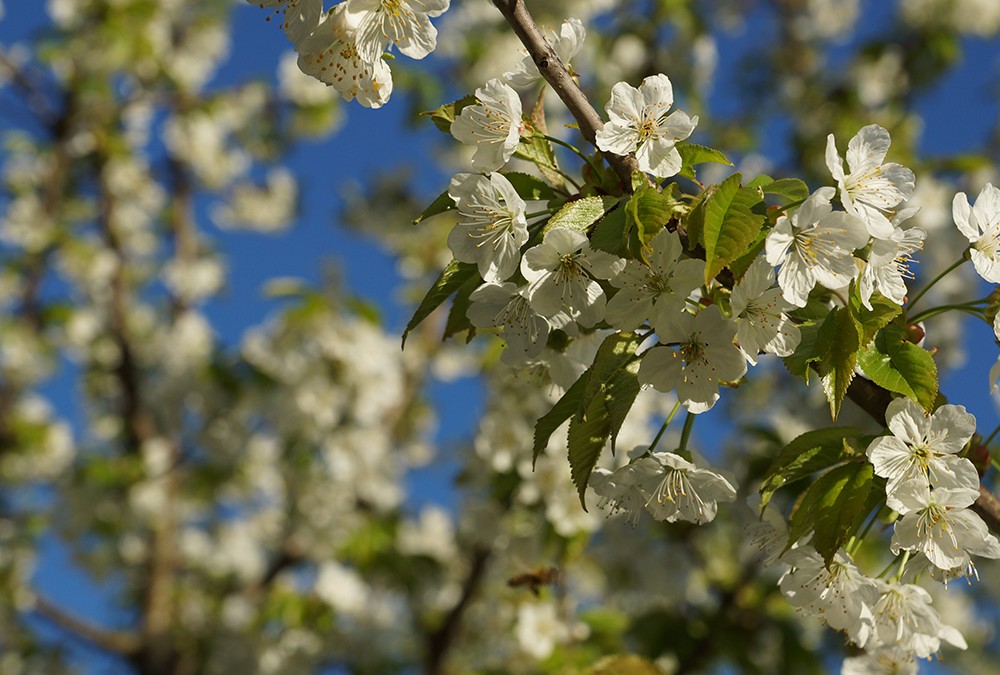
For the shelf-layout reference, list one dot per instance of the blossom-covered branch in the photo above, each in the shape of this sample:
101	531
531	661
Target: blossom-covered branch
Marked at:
559	78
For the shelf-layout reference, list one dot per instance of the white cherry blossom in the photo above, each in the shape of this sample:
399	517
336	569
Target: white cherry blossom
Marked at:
506	306
493	125
703	358
298	17
888	661
923	448
872	189
561	273
379	24
759	310
655	292
888	265
491	228
620	491
814	245
839	594
565	44
678	490
938	524
903	618
980	224
639	122
331	55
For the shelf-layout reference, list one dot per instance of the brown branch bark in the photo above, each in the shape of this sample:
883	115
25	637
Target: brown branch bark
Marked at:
557	75
117	642
439	642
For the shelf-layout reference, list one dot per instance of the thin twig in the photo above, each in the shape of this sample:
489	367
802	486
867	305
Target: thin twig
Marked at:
117	642
559	78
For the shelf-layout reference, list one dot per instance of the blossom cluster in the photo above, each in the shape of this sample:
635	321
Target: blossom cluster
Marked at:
344	46
539	278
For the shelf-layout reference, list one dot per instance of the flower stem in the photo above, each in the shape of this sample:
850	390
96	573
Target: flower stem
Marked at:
992	436
936	279
968	308
666	423
856	540
685	435
579	153
902	566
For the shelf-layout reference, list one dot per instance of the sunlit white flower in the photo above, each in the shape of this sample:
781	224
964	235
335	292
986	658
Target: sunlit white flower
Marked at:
639	122
980	224
561	274
493	125
506	306
769	535
903	618
923	448
704	357
565	44
330	54
938	524
678	490
298	17
872	189
759	310
539	628
378	24
491	226
888	265
655	292
620	491
814	245
839	594
888	661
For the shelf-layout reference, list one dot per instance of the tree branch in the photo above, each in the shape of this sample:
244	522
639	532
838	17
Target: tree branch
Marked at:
873	399
441	640
117	642
557	75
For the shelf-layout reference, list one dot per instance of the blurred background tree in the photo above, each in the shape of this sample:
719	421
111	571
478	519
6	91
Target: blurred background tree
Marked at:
214	456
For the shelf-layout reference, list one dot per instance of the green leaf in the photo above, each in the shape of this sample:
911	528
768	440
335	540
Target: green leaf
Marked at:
537	149
872	320
590	430
613	378
838	344
610	389
457	319
624	664
453	277
692	153
740	266
896	364
798	363
694	223
582	213
443	116
646	213
588	433
760	181
528	187
441	204
564	408
833	508
615	351
811	452
733	218
787	190
609	233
